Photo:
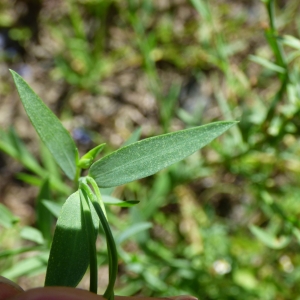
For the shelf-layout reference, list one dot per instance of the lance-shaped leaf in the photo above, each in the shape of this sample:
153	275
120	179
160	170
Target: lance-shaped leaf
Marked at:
114	201
69	255
148	156
270	239
49	128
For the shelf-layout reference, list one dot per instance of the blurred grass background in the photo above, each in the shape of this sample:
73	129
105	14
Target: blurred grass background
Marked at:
223	224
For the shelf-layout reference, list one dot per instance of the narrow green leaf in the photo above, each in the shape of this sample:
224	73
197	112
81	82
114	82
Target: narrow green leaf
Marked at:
14	252
53	171
6	145
49	163
53	207
43	215
49	128
30	179
132	230
296	233
107	191
114	201
54	183
69	255
23	154
131	288
148	156
7	219
29	266
154	281
32	234
134	137
291	41
267	64
268	239
11	144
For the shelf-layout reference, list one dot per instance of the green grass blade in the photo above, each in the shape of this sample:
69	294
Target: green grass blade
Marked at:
11	144
7	219
27	267
43	215
267	64
53	207
134	137
49	128
132	230
121	203
148	156
269	239
32	234
291	41
14	252
48	162
69	255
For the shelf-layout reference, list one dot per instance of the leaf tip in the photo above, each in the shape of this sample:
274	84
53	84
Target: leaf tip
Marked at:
14	74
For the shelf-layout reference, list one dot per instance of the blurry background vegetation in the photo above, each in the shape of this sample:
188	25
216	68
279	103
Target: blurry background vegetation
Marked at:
223	224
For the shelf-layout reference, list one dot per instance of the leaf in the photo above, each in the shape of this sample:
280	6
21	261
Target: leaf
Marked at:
269	239
7	219
14	252
49	163
11	144
267	64
43	215
32	234
54	183
134	137
245	278
69	254
29	267
296	233
91	232
291	41
53	207
87	159
154	281
133	230
30	179
107	191
114	201
49	128
149	156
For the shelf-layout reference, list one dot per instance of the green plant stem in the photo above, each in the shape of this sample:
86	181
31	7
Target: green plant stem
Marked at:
112	253
111	246
92	241
271	35
93	183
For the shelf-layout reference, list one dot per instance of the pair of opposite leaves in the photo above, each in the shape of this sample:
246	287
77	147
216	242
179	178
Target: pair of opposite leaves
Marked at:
126	164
